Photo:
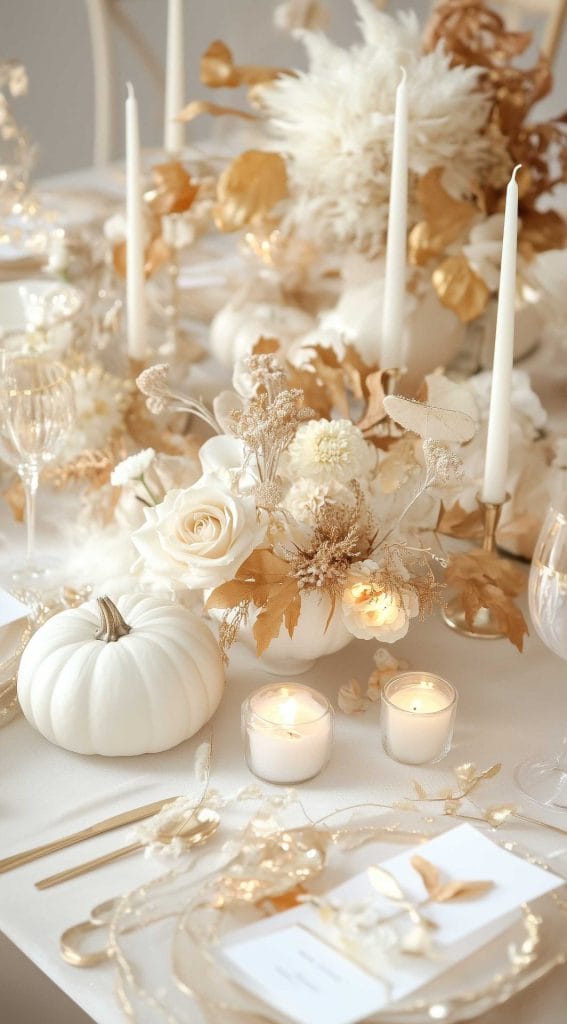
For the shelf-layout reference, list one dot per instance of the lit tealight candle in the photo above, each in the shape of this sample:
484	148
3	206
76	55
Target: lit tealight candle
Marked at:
288	733
418	711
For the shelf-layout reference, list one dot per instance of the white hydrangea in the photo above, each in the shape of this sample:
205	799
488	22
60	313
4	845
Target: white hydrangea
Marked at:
132	468
330	451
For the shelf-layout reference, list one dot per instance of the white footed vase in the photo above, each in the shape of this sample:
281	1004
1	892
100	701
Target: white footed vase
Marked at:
291	656
432	334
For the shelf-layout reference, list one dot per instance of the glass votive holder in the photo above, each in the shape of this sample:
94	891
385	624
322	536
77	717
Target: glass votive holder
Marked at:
417	717
288	732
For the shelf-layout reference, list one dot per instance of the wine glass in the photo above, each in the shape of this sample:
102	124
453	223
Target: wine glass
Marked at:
544	779
37	413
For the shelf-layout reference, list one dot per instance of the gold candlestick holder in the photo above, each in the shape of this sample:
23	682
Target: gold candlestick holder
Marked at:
484	624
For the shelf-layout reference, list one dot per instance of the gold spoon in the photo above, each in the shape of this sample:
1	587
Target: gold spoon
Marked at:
192	831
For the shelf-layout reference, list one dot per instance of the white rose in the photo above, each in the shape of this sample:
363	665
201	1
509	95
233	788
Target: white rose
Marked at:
382	615
200	535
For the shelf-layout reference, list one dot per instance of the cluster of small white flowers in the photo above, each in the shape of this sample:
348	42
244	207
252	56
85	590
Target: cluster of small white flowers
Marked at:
132	468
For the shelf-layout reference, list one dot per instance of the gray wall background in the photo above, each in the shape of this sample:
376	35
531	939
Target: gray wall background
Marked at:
52	38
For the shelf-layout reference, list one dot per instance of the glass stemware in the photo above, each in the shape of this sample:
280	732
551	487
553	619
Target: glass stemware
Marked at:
544	779
36	415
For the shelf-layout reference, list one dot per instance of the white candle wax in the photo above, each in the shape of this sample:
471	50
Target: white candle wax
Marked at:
395	272
135	285
288	733
417	717
174	131
498	439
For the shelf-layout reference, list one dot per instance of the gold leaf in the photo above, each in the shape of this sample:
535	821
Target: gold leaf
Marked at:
156	254
385	883
428	873
456	522
478	566
430	421
228	595
173	190
217	67
249	188
421	794
292	613
459	288
464	890
542	230
197	107
489	773
270	619
263	566
445	218
445	892
496	816
485	580
218	70
375	411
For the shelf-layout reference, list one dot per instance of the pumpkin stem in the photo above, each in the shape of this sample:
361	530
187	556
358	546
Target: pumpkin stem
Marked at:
112	625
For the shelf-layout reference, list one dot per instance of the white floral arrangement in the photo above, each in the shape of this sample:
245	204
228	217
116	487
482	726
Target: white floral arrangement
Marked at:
290	505
348	505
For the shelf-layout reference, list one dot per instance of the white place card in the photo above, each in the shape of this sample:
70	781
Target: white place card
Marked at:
274	959
300	975
11	609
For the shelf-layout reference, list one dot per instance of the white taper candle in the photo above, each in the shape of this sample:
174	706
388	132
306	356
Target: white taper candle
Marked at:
174	131
393	310
135	285
498	439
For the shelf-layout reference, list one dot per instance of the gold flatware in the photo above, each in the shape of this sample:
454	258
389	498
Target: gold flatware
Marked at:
191	831
116	821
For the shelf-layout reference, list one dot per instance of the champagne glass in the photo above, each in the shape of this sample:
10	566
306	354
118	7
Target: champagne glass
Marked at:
36	415
544	779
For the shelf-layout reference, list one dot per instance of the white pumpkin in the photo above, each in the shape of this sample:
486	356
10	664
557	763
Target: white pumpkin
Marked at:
238	326
131	678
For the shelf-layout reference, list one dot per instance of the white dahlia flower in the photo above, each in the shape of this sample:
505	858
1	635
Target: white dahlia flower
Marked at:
329	451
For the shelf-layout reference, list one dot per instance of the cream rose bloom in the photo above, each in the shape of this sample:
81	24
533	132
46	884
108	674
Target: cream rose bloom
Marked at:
381	616
200	535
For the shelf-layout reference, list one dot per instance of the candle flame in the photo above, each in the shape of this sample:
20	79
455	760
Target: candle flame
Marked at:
288	711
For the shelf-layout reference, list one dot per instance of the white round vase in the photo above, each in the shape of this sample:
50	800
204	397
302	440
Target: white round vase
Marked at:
291	656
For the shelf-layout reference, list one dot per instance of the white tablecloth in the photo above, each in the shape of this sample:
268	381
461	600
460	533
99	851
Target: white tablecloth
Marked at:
510	707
